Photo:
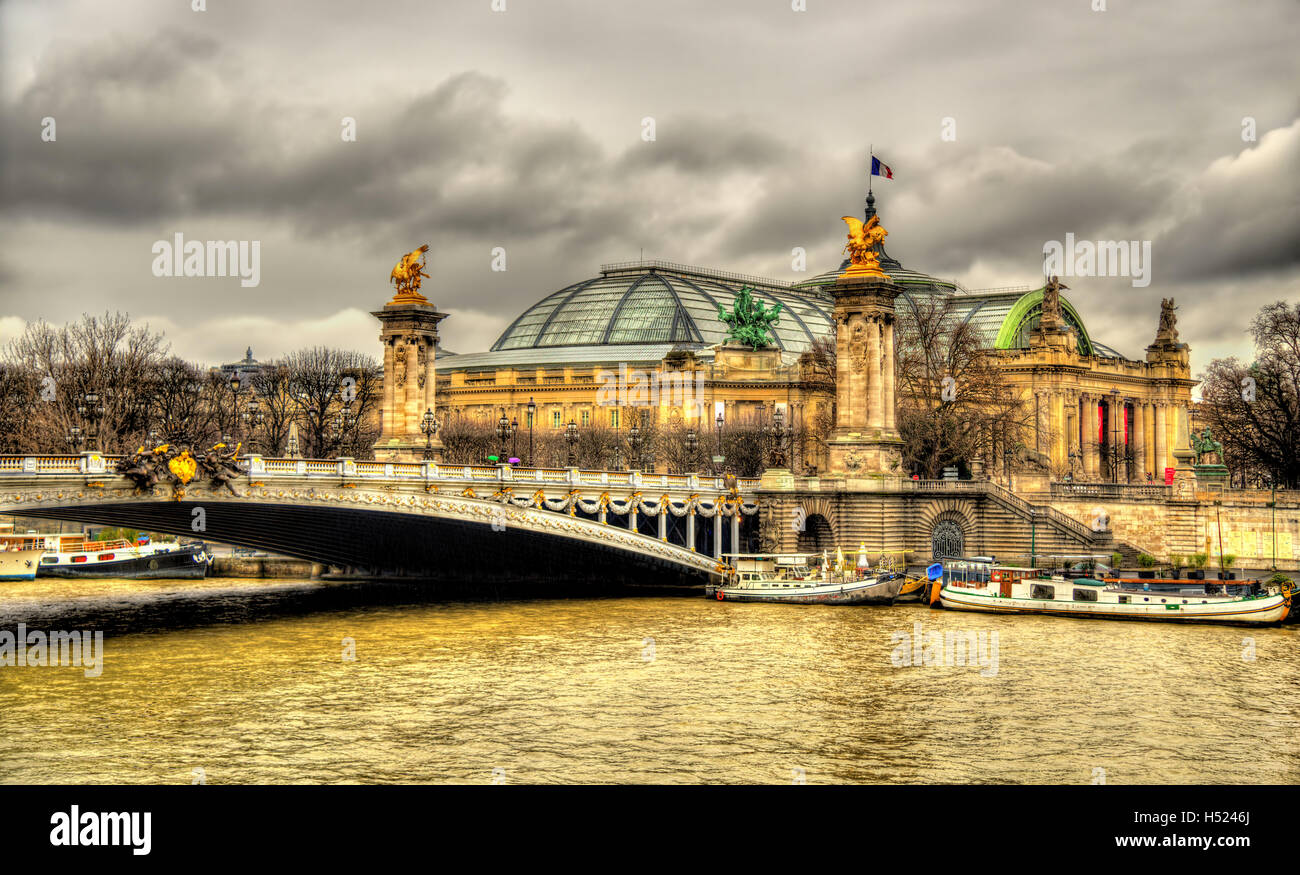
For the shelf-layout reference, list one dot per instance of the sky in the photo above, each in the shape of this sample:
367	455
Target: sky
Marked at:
525	129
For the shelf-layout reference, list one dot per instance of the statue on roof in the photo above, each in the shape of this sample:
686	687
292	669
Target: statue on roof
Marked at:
1166	332
864	238
406	275
749	323
1051	318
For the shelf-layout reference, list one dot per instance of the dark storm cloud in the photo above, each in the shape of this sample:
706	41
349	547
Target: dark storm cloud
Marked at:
522	130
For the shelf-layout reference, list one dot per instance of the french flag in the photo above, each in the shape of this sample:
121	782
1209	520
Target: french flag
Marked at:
879	168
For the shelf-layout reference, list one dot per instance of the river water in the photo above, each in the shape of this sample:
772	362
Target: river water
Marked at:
250	681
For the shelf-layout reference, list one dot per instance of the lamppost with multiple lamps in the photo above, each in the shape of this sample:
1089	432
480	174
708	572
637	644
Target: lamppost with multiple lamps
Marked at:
692	447
571	436
428	425
719	458
532	412
504	433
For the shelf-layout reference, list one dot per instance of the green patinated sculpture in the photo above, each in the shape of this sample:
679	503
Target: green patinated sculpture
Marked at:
1205	445
749	323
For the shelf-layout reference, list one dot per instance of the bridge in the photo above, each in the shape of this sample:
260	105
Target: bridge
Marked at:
490	522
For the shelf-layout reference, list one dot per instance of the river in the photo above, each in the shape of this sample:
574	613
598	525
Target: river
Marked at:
251	681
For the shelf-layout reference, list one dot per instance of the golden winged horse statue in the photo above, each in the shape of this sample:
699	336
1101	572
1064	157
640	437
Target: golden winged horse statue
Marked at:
406	274
864	237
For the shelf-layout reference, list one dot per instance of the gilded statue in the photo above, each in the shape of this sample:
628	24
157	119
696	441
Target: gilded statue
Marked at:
864	237
406	275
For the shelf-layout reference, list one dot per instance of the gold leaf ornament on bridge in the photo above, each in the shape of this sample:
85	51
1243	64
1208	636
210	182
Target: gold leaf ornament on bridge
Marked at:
864	237
183	467
406	276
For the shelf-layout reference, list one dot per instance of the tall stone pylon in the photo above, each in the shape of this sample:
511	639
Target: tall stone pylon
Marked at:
865	441
409	334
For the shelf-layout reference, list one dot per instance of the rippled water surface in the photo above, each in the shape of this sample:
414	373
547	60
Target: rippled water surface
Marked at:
247	681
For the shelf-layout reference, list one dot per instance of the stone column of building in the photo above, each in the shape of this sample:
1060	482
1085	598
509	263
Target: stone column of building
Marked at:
1058	429
1089	446
843	385
1140	440
1162	440
891	409
875	393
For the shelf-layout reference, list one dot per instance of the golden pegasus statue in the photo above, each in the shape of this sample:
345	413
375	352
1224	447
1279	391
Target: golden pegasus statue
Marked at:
864	237
407	275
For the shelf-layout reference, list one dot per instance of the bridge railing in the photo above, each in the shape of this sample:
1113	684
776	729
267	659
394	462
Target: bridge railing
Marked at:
91	463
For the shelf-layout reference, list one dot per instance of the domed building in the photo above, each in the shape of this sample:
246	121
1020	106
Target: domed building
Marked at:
647	335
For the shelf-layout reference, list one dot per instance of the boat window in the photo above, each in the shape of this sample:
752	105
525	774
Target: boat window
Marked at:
1042	591
49	560
1085	595
1123	600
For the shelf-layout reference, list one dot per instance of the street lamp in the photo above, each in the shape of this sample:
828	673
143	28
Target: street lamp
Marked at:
293	446
778	437
692	447
75	438
570	435
514	443
93	411
718	458
428	425
634	437
253	418
532	411
504	431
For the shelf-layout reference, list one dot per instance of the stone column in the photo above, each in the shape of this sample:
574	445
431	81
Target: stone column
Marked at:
409	332
891	411
717	530
1140	440
843	382
1060	445
1089	446
735	530
690	529
875	399
1162	442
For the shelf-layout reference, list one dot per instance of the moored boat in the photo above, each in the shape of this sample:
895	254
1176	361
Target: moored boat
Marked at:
19	564
75	556
796	579
1113	598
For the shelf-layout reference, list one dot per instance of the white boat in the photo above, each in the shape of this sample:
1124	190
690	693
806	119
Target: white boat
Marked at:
796	579
19	564
1169	601
75	556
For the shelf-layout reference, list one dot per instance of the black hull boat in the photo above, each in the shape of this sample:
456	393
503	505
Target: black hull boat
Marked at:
190	562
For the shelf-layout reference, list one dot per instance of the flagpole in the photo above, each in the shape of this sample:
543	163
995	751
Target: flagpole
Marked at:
871	165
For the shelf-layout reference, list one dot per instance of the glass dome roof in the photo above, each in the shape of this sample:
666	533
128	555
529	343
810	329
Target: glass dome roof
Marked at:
657	302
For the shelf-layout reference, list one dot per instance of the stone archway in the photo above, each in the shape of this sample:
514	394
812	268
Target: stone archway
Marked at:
816	536
947	540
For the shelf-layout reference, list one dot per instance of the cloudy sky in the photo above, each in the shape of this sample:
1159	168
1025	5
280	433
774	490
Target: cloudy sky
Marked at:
524	129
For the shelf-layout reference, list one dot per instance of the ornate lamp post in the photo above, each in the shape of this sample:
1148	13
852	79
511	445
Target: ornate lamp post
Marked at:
777	431
92	410
293	446
718	458
75	438
514	442
429	425
234	387
692	447
570	435
634	438
504	431
253	418
532	412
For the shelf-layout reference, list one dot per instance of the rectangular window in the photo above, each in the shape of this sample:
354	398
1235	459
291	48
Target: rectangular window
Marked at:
1085	595
613	418
1042	591
555	419
585	416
